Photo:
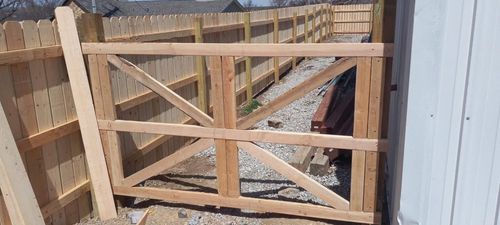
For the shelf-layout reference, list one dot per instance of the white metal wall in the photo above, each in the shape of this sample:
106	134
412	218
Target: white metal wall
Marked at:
445	129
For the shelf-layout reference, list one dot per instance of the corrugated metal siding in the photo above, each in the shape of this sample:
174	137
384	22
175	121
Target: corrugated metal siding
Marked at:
445	166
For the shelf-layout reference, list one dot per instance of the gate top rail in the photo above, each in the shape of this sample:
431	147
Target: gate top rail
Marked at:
242	49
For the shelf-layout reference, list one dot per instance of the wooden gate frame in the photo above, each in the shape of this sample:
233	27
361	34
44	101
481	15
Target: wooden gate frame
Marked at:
224	130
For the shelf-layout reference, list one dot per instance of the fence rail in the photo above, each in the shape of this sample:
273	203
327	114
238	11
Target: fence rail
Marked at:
37	97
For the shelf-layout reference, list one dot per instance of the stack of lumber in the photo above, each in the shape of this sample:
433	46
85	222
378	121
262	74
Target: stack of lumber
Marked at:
335	114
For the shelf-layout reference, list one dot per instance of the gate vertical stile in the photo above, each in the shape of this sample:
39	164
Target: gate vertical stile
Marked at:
91	30
224	101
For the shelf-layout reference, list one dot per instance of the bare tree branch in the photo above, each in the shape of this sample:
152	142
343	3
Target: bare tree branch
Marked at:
8	8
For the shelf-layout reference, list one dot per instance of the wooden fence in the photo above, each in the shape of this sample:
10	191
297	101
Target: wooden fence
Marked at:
352	19
37	97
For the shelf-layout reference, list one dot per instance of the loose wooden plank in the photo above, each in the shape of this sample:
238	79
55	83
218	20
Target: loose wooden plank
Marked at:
85	111
261	205
361	104
144	218
161	90
297	92
280	137
167	162
242	49
14	182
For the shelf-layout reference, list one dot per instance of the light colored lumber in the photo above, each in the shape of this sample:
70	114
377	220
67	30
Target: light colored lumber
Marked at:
154	36
361	104
280	137
150	95
216	81
47	136
167	162
222	80
153	144
297	92
31	96
295	175
222	28
231	150
100	80
352	21
61	201
85	111
160	89
242	49
30	54
16	188
105	109
144	218
256	204
374	131
61	167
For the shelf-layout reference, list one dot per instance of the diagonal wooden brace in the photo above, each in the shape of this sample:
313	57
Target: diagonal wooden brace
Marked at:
169	95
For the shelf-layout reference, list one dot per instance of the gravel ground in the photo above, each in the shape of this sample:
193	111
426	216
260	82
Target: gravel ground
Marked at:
198	173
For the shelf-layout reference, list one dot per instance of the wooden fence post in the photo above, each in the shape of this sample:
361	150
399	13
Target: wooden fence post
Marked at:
222	75
383	23
294	37
306	27
91	30
248	60
314	25
321	25
200	67
333	20
20	200
276	37
361	110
